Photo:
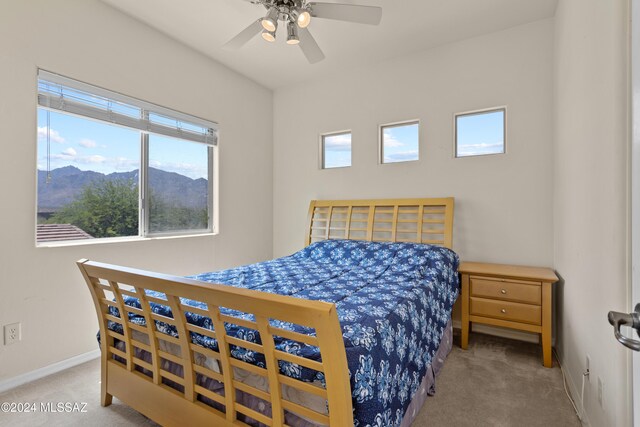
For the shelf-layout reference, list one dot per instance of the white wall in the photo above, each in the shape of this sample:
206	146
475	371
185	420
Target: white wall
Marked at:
88	41
590	199
564	189
503	207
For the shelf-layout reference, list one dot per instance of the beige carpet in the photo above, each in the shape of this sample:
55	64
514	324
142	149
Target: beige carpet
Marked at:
497	382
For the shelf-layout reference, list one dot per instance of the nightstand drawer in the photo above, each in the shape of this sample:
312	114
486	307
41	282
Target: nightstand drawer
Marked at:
519	291
504	310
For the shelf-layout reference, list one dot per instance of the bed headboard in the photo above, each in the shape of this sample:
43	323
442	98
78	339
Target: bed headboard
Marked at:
382	220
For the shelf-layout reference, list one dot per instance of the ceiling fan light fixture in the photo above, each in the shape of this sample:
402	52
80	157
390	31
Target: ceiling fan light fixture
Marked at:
270	22
269	36
292	34
303	19
296	16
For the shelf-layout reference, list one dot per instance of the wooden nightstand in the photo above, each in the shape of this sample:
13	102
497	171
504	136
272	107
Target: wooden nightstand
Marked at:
508	296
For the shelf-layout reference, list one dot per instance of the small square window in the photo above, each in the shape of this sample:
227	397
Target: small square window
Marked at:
399	142
336	150
480	133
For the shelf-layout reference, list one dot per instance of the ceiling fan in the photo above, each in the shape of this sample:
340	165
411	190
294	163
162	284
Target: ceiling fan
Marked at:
296	15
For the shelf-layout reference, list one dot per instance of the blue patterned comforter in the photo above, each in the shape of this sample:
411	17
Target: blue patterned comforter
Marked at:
393	301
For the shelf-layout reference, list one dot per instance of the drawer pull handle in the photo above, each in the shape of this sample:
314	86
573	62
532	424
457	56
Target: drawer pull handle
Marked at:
503	292
504	310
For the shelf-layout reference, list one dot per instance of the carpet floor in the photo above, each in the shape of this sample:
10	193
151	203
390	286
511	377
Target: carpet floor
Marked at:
496	382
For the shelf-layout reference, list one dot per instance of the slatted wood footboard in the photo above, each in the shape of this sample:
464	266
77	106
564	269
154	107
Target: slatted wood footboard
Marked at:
135	359
150	395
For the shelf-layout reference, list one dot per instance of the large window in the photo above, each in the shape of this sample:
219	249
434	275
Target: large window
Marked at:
114	166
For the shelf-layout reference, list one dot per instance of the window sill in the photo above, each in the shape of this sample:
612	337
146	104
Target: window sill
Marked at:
105	241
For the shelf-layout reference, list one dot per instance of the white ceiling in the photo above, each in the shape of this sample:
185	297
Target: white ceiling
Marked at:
407	26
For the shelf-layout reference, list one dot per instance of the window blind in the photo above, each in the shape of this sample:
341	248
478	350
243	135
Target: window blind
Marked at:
59	93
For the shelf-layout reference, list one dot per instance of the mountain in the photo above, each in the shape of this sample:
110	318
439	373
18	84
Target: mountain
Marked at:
65	184
68	182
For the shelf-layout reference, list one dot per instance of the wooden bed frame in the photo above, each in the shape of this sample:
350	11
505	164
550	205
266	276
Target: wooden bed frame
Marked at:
395	220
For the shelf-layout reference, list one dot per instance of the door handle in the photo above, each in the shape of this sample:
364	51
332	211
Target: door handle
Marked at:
631	320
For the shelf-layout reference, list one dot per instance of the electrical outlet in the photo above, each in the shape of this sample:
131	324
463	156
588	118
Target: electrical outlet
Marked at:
12	333
588	367
600	392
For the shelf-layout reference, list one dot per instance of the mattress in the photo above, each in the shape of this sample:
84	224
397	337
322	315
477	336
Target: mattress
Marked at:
394	304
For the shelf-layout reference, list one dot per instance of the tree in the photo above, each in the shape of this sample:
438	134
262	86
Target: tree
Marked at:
105	208
164	216
109	208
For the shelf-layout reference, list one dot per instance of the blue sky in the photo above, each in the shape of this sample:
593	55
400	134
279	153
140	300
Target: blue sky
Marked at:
480	134
400	143
337	150
100	147
477	134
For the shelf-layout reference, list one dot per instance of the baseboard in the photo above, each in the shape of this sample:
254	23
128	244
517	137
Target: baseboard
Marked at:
575	395
501	332
27	377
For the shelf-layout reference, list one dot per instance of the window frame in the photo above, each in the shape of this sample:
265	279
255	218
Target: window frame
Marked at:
322	150
482	111
381	129
144	232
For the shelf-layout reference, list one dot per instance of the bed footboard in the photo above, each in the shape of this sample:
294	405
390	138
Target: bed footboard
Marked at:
168	398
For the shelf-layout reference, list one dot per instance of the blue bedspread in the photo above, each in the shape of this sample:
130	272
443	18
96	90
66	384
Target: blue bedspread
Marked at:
393	301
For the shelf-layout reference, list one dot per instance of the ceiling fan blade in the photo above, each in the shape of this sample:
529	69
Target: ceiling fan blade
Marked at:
247	34
347	12
309	46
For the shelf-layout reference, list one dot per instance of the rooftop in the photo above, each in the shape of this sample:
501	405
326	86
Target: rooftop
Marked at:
56	232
